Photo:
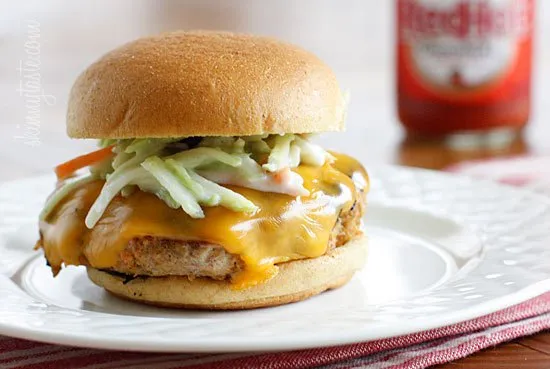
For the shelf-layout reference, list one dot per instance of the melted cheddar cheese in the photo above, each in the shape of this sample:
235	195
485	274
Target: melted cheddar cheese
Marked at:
285	228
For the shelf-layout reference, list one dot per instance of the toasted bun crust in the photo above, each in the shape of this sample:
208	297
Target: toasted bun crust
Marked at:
296	281
204	84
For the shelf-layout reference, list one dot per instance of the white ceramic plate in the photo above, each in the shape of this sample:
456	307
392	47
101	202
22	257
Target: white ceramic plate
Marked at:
444	249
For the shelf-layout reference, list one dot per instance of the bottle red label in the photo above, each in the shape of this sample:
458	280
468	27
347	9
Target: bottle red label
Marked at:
463	65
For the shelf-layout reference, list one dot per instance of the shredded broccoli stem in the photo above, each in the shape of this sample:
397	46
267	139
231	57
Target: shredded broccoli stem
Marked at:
188	173
59	194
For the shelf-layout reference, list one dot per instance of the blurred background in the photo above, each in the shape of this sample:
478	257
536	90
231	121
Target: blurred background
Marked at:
355	37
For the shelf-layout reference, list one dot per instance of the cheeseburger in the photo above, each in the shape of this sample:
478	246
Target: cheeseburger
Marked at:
206	191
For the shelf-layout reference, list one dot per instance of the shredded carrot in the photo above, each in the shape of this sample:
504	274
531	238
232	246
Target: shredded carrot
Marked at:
66	169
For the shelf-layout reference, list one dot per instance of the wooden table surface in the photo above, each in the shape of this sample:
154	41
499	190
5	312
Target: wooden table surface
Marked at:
355	37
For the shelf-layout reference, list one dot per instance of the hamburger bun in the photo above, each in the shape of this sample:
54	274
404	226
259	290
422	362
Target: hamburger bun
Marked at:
297	280
184	84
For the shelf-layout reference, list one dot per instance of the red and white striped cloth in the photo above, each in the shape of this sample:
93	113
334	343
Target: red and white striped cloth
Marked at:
418	350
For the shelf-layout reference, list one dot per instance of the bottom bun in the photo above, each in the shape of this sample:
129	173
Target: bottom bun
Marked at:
296	281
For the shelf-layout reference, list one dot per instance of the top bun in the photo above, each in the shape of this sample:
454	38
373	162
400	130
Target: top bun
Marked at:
183	84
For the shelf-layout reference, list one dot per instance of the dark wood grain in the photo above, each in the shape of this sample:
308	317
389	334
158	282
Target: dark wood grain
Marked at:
539	342
514	355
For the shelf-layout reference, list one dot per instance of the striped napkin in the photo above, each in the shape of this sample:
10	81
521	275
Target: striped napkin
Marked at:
417	350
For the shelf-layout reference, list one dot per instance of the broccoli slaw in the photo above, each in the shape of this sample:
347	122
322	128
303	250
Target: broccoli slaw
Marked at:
189	173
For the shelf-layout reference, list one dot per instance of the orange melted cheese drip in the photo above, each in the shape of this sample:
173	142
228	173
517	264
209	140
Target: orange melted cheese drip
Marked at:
285	228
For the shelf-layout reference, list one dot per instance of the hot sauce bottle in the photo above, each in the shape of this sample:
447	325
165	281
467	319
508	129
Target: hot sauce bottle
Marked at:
464	67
